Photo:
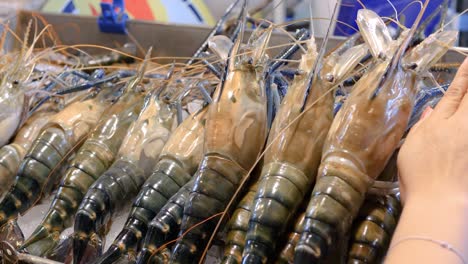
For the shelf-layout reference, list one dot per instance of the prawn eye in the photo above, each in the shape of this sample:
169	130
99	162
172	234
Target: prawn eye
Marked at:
15	82
410	66
382	56
329	77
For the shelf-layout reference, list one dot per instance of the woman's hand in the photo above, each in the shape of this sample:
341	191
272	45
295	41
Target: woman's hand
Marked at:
433	161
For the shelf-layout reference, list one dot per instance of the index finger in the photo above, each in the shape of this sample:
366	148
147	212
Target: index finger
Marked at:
455	99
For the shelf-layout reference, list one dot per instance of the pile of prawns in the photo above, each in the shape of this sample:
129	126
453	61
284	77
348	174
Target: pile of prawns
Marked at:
285	159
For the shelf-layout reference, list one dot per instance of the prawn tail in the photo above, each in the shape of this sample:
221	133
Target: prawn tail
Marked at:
373	229
60	252
340	192
272	209
116	255
287	253
41	241
11	233
86	247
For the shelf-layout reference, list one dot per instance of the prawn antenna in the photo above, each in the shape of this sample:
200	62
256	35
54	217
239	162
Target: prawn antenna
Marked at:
318	63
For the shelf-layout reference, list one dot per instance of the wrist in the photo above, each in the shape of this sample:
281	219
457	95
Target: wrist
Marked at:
443	200
436	217
435	214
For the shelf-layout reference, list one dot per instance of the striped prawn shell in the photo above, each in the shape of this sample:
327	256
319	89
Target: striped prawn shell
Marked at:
92	159
39	170
287	253
11	155
10	159
121	182
178	161
164	227
373	229
361	140
363	136
235	134
290	166
295	146
237	228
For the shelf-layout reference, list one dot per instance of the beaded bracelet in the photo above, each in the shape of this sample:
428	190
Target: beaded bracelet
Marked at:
441	243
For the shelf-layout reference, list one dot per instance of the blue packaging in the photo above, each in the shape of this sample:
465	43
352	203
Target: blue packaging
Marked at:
410	10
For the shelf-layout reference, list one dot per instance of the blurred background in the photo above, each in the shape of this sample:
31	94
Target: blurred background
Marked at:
208	11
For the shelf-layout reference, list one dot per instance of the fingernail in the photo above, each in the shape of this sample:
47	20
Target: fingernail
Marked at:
427	112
